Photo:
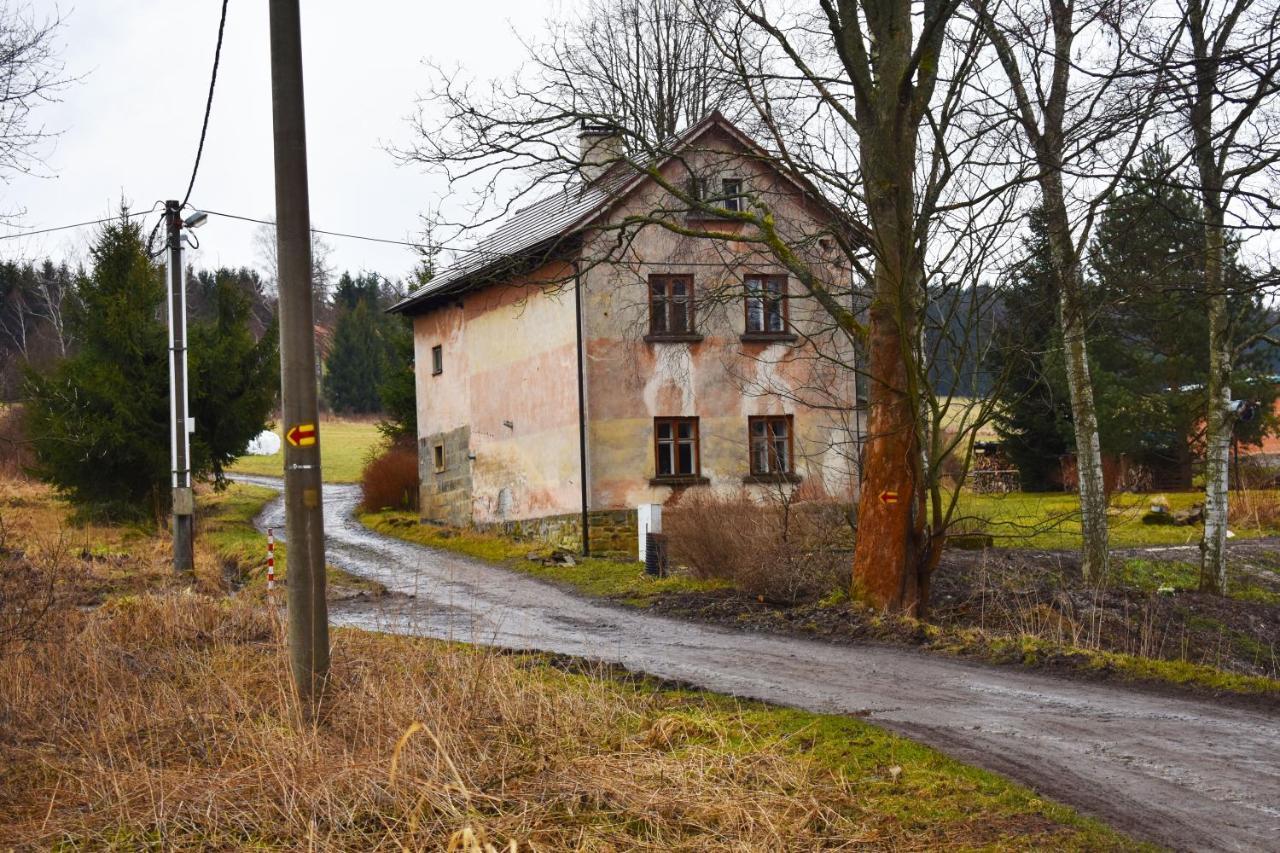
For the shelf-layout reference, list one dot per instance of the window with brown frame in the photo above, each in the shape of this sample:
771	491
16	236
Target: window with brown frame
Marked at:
732	195
766	304
670	305
771	445
437	360
675	443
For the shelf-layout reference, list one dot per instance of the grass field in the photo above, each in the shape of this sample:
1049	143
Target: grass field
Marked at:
1052	520
148	714
344	447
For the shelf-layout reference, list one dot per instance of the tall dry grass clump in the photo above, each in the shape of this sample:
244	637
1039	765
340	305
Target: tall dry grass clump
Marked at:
390	479
1257	509
16	454
783	546
165	720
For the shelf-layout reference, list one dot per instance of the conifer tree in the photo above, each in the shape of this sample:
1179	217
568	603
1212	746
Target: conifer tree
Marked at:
100	419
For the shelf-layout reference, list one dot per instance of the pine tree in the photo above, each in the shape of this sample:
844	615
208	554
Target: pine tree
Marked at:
1033	418
235	379
354	368
398	391
100	419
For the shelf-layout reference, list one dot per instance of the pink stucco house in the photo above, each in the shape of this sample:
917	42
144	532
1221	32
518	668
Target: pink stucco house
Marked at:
584	359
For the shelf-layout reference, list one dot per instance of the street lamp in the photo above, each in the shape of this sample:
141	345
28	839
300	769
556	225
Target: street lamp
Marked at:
181	424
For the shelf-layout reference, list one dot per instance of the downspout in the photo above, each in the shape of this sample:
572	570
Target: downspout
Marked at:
582	410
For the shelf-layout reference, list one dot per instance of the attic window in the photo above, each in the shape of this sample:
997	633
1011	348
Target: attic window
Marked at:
731	195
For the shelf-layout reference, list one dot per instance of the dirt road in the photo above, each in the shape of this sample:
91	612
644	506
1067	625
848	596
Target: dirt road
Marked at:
1184	773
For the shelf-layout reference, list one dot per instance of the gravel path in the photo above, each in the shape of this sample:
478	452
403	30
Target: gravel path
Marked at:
1184	773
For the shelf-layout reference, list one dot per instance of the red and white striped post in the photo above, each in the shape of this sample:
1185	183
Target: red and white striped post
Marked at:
271	559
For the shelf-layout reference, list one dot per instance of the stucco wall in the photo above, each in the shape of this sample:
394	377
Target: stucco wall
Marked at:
720	379
510	368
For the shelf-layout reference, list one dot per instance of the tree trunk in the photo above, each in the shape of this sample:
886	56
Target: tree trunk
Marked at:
1218	421
892	553
1084	415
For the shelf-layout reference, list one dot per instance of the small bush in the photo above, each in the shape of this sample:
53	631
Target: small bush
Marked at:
784	548
28	592
15	450
390	480
1256	510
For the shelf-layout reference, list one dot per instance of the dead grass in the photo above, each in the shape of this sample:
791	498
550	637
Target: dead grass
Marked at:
783	549
161	718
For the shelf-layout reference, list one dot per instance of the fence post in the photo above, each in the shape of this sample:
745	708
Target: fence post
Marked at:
271	559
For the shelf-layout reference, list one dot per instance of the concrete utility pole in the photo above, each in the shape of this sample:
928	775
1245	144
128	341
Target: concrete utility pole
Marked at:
179	419
304	510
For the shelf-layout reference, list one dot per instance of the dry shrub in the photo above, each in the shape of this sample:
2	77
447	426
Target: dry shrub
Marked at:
167	721
390	479
16	455
1256	510
782	547
28	593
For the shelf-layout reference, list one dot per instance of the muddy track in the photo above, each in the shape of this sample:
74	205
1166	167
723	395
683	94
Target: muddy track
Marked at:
1184	773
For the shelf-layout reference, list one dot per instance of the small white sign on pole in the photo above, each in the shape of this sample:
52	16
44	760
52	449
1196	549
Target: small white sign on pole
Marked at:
648	520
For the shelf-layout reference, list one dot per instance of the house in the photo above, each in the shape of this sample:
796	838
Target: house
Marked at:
584	359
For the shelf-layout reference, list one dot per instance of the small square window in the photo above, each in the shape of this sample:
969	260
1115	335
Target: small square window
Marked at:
437	360
771	445
437	457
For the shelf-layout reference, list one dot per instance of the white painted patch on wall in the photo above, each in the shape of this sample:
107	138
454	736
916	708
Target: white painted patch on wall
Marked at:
673	366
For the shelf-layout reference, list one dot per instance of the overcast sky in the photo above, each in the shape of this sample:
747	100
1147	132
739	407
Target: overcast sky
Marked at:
130	126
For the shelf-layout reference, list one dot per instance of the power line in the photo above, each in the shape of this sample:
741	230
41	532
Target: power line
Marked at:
75	225
208	105
492	253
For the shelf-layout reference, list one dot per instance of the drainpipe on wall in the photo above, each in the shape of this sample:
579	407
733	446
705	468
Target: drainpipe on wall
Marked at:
582	409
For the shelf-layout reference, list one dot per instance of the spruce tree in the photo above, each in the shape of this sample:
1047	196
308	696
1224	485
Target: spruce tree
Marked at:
353	370
1033	419
235	379
100	419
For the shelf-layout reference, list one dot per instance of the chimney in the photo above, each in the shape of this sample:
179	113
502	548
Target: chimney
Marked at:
599	147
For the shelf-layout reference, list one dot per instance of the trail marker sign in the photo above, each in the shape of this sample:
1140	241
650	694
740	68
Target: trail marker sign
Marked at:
888	497
301	435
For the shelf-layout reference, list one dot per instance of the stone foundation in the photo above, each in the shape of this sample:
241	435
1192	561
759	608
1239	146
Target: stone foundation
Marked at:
444	496
613	532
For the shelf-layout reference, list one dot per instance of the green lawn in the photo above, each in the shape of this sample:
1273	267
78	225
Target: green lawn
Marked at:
625	581
1052	520
344	447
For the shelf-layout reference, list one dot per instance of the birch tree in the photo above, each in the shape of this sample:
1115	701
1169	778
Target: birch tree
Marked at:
1226	75
1068	96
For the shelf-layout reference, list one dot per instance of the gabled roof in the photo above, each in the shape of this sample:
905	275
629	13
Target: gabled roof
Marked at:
538	230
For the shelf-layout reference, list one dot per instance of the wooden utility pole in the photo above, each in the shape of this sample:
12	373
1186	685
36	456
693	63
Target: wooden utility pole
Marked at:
179	417
304	509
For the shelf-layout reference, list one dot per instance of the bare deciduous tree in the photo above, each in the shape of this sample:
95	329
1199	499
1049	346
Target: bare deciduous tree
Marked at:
1226	75
1069	74
30	74
861	105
